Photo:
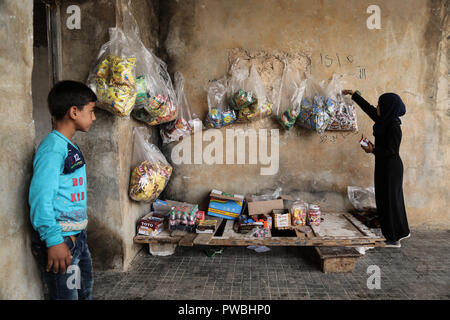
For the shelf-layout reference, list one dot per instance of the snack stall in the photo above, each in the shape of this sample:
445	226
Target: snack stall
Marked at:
235	220
131	81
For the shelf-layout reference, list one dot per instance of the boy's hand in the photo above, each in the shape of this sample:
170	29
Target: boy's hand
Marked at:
59	258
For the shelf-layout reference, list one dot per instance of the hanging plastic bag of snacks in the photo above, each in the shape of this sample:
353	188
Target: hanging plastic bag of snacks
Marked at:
317	107
154	97
113	78
157	102
150	169
219	114
186	122
247	95
344	118
290	94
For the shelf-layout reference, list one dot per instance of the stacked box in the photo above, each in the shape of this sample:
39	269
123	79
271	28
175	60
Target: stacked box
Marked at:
225	205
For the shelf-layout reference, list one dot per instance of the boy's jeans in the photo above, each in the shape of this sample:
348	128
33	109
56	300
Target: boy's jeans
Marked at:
77	282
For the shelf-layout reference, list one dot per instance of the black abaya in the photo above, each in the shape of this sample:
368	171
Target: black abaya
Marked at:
388	176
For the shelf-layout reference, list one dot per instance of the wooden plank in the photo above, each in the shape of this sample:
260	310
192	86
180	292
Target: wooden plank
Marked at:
339	264
300	234
148	239
331	252
188	240
287	241
337	259
361	227
203	238
328	234
178	233
307	231
228	231
336	225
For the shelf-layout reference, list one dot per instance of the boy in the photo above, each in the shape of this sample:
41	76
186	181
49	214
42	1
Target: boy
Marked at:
57	195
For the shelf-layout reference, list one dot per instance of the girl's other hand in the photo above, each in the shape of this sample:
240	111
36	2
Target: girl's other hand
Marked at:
344	92
369	148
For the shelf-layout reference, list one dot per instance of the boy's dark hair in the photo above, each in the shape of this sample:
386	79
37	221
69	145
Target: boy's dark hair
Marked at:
66	94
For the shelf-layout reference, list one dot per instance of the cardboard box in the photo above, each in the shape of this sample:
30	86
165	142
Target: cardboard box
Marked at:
282	220
161	206
206	226
150	225
266	206
225	205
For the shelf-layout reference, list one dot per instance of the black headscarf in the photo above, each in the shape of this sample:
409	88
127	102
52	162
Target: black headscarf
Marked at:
391	108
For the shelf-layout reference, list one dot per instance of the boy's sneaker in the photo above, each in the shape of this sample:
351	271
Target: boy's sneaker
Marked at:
392	244
409	235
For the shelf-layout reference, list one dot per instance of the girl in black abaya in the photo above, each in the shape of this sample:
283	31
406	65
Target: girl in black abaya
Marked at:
388	164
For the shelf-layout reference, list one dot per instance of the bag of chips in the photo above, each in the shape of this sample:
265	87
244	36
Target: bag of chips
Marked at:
150	169
344	118
317	107
113	78
186	123
290	94
219	114
247	95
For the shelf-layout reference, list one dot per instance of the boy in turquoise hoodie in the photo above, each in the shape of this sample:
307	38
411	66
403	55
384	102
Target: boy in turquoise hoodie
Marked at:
58	197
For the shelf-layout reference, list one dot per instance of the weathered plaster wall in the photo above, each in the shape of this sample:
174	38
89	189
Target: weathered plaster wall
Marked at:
108	145
19	277
408	55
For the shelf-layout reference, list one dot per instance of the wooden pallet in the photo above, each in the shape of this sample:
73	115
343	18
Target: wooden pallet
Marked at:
336	230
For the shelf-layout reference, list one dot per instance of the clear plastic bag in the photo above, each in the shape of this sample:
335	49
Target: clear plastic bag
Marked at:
113	79
299	213
290	94
128	78
247	95
187	122
268	196
344	118
362	198
150	169
219	114
156	101
162	106
317	107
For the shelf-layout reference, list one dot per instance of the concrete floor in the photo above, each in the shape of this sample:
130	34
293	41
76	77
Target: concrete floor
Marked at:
418	270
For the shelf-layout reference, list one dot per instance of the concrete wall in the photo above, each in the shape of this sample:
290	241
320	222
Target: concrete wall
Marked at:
408	55
108	145
19	277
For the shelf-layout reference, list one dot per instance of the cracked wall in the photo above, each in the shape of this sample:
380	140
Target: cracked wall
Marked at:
407	56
